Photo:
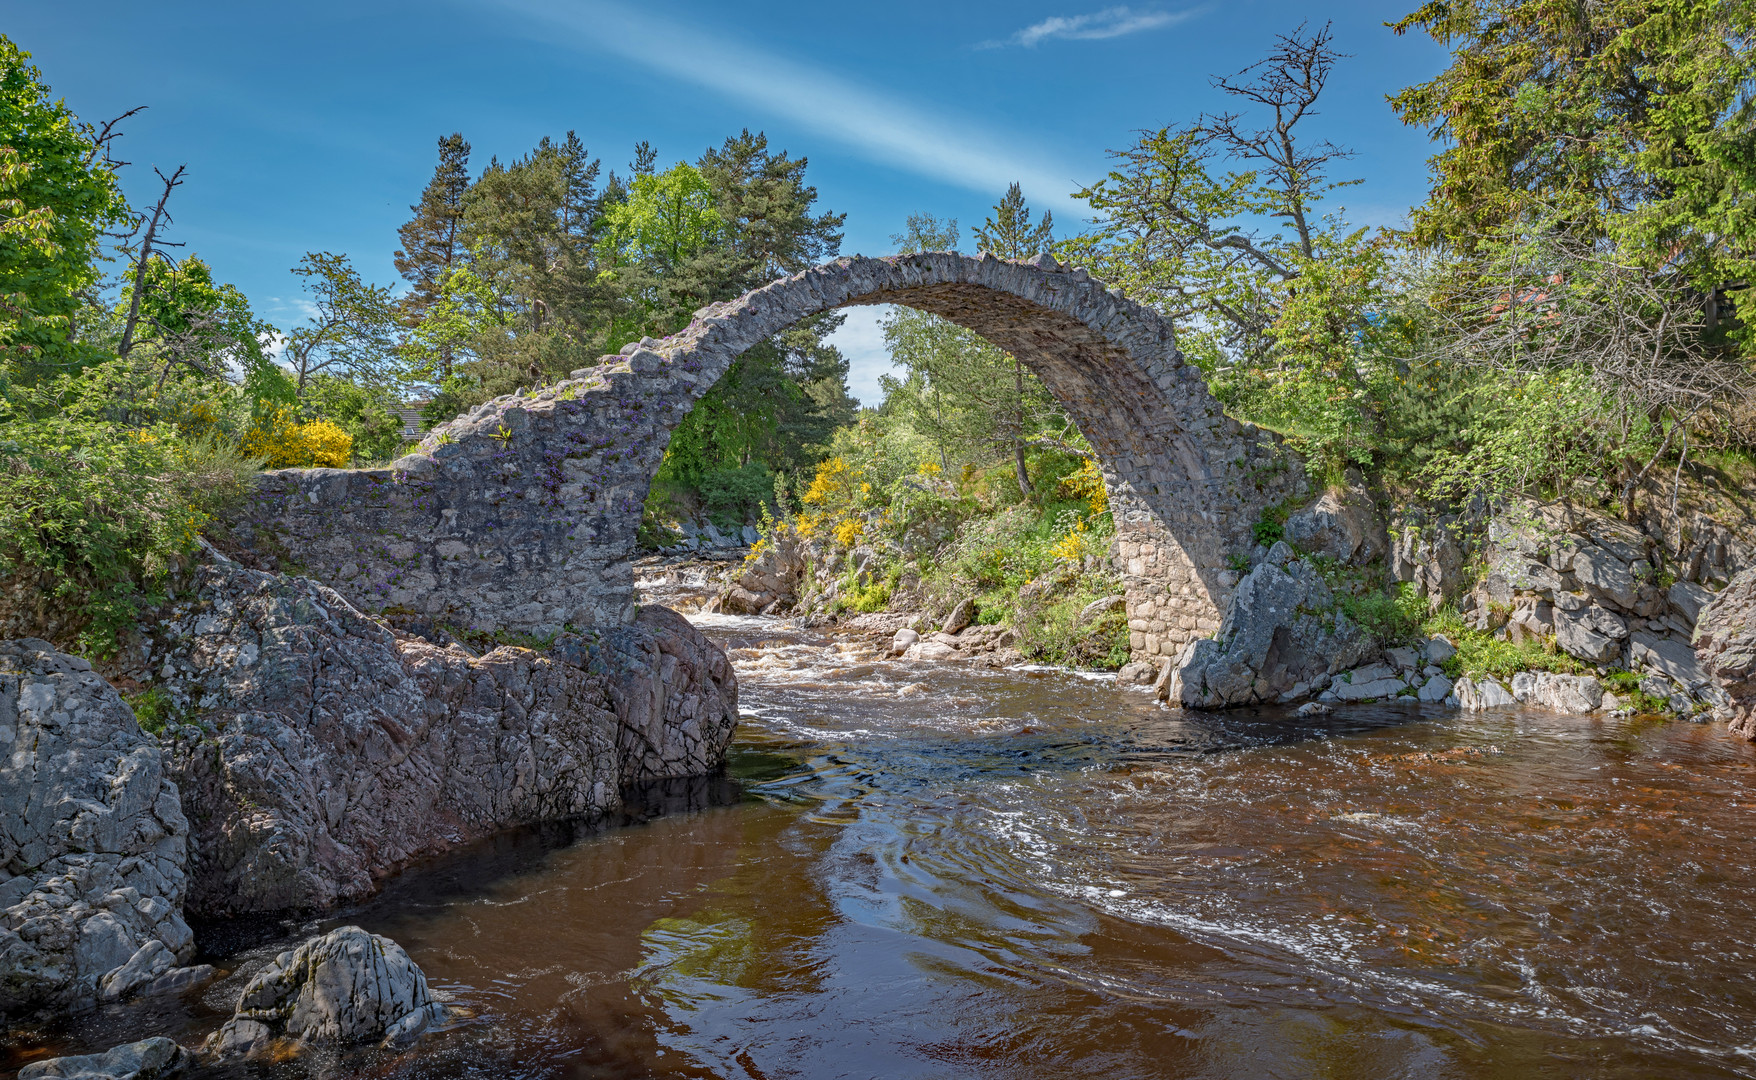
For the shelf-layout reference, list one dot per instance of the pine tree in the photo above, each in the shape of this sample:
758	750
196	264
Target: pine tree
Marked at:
1010	235
431	241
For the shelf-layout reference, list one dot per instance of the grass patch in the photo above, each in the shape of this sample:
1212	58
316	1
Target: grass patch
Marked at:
1271	526
1391	618
153	710
1481	655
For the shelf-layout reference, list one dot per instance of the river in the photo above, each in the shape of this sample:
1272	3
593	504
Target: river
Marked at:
916	870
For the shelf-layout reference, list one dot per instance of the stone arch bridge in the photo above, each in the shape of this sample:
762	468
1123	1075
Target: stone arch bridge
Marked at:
521	514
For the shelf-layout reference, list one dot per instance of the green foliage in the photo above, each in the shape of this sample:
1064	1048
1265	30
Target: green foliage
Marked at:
1480	655
367	413
57	198
1272	524
1392	618
432	245
106	507
665	218
353	329
1630	117
1008	234
188	319
1530	434
153	710
734	495
1052	633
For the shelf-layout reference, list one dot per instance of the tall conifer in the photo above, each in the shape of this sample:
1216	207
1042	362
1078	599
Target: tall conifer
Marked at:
431	240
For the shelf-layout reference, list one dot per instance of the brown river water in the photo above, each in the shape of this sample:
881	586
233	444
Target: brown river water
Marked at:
936	871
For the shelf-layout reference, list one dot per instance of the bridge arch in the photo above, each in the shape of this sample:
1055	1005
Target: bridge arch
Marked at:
521	514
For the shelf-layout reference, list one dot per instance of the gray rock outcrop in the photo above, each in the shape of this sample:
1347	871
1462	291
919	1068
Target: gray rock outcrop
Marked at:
1473	696
769	578
148	1059
1281	639
92	839
1725	642
332	751
1431	557
1345	526
347	986
1609	593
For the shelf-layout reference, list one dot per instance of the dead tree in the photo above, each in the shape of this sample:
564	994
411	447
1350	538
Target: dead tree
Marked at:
149	245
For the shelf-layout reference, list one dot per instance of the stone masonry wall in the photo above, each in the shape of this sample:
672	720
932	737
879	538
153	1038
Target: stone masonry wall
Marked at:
522	513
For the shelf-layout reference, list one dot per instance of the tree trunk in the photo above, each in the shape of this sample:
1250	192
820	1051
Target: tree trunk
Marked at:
1018	429
152	229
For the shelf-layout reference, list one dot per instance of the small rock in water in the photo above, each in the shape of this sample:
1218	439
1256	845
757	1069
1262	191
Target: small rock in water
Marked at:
903	639
1134	673
1314	708
1435	689
1487	694
148	1059
347	986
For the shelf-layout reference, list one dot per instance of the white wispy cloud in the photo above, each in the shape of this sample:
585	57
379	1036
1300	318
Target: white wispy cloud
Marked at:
1111	22
883	127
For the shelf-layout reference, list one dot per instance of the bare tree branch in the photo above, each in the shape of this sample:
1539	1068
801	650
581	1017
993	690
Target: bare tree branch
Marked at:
147	248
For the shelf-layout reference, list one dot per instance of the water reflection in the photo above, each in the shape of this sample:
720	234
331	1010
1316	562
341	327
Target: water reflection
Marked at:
919	871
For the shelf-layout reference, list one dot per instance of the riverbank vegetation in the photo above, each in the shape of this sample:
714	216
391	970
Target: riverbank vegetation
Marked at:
1560	319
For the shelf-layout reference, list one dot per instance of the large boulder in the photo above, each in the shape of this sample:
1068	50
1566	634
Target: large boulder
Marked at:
1590	633
332	751
1577	694
1280	640
770	575
1725	643
347	986
92	839
1344	525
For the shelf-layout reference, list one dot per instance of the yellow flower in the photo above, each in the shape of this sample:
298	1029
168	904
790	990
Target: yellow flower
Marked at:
284	443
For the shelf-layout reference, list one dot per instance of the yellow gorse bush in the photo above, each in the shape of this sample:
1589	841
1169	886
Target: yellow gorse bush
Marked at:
1075	545
283	442
1087	483
834	499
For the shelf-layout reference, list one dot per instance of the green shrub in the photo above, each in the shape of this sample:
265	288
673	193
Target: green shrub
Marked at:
1391	618
1052	634
1481	655
731	496
1271	526
153	709
107	510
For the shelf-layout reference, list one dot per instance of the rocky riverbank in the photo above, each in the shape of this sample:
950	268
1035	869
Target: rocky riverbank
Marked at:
1604	614
293	754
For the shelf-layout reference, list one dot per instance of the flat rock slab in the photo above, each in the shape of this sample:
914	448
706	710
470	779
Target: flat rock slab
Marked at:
148	1059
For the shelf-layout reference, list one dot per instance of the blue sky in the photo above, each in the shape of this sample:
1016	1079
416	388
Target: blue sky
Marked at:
311	125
